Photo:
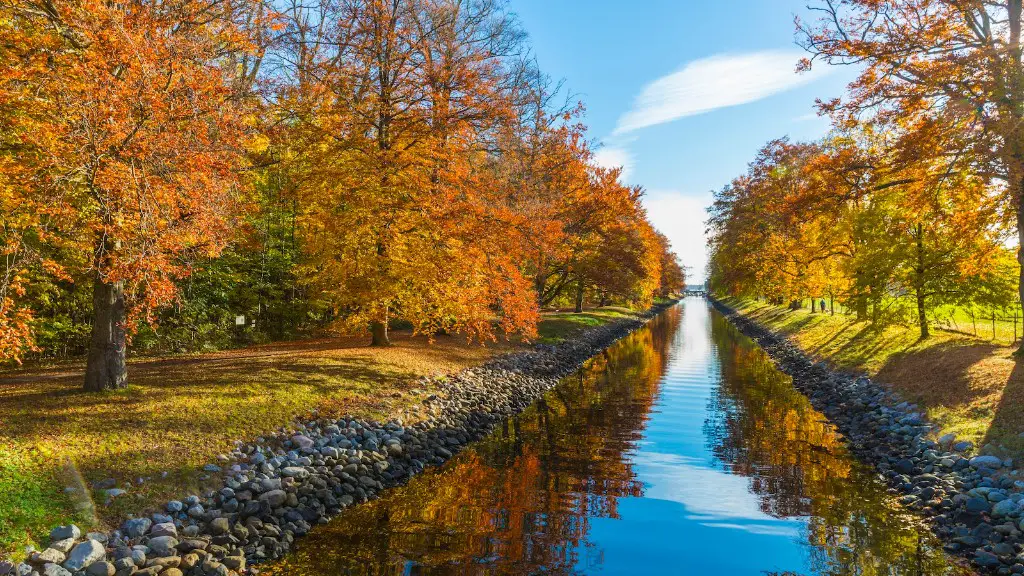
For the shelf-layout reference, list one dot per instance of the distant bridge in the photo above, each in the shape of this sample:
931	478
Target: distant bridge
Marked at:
695	292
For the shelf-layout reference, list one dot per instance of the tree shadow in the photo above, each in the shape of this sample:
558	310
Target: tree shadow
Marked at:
1007	425
939	375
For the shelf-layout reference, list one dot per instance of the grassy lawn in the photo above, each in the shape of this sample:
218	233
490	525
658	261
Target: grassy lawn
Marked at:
179	413
968	385
558	326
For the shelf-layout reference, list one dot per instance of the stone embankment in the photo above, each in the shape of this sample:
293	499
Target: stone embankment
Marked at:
974	503
277	488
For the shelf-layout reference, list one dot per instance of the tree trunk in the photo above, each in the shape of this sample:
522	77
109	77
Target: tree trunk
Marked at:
379	333
922	318
1020	249
875	299
813	304
579	296
860	300
105	368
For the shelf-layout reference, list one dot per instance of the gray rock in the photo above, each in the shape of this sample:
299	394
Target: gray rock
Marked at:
136	527
49	556
904	466
977	505
163	529
85	554
55	570
294	472
219	526
986	559
993	462
65	532
302	441
274	497
163	545
1005	508
102	568
114	493
64	545
963	446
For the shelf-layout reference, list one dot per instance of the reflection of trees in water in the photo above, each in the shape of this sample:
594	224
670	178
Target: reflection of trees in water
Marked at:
520	501
763	428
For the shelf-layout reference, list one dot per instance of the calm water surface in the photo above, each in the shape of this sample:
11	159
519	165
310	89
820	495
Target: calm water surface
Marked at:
680	450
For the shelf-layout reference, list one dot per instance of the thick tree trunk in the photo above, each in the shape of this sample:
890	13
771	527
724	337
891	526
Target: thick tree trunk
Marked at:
813	305
105	368
379	333
579	296
922	318
1020	252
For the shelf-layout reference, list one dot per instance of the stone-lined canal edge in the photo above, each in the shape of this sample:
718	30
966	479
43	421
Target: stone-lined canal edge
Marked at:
974	505
276	488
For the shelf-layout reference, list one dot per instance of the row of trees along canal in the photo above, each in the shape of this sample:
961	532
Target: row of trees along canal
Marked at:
342	164
908	206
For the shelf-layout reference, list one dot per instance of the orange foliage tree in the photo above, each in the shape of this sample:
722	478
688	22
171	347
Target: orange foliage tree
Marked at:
396	202
126	133
957	59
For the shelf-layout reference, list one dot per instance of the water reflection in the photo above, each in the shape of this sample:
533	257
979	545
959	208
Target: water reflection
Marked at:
679	450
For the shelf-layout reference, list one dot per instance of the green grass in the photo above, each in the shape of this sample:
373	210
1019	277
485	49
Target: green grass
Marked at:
557	326
30	501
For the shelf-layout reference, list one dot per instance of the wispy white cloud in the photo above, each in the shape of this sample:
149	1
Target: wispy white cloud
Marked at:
615	157
716	82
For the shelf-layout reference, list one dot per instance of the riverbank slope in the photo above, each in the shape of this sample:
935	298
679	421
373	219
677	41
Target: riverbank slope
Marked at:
95	459
969	386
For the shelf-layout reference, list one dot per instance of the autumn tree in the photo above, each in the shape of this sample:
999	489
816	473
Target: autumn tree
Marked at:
397	204
960	59
128	152
673	274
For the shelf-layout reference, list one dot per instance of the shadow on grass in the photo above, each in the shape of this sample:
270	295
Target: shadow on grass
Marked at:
1008	422
939	375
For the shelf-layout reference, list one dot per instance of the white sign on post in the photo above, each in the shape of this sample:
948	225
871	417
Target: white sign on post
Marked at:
239	320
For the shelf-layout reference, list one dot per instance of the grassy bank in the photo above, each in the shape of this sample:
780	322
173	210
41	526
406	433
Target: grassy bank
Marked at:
968	385
179	414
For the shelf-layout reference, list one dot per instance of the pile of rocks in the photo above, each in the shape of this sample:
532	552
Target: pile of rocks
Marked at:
278	487
974	504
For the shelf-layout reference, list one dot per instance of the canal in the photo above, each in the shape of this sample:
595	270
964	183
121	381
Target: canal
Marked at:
679	450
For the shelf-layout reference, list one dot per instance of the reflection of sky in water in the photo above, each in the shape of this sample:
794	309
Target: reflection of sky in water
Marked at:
674	410
694	518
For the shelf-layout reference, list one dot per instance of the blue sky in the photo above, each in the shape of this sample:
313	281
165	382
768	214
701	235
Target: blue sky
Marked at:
681	92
